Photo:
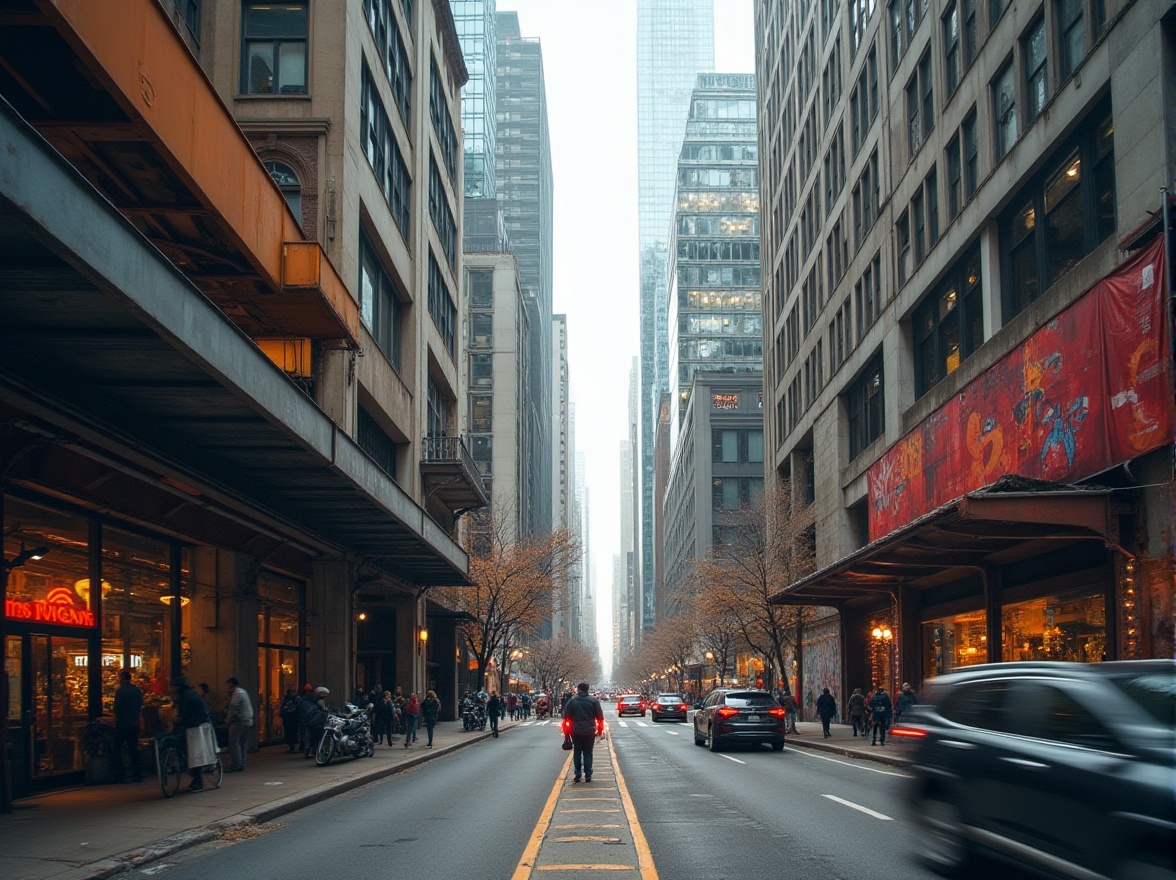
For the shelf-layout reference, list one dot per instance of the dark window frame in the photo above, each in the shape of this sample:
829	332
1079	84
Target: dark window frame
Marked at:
866	407
933	329
249	35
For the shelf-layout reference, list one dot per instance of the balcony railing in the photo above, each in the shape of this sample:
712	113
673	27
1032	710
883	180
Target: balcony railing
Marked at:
450	475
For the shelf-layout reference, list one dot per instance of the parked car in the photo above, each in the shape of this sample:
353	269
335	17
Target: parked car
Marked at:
1068	769
630	704
667	707
738	715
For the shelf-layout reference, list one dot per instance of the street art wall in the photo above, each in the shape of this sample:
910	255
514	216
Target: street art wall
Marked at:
1086	391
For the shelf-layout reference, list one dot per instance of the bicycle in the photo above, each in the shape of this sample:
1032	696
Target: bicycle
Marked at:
171	760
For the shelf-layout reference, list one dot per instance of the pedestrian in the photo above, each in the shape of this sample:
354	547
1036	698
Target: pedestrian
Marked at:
191	712
512	706
312	715
526	701
790	707
128	706
359	696
584	720
239	717
880	708
906	698
826	709
857	711
385	718
412	715
306	695
494	712
288	712
430	709
398	699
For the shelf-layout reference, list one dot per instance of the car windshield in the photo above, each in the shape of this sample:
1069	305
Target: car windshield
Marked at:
744	701
1155	693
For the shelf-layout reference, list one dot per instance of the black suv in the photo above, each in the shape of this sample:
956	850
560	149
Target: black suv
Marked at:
738	715
1066	768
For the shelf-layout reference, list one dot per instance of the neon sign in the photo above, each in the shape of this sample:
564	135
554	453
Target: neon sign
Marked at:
57	608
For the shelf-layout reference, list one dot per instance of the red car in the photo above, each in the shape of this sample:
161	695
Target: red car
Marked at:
630	704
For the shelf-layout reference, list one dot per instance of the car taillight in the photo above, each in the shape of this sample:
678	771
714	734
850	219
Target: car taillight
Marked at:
726	712
777	712
908	732
682	706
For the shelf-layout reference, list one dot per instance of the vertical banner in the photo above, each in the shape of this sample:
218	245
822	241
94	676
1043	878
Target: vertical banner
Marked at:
1088	390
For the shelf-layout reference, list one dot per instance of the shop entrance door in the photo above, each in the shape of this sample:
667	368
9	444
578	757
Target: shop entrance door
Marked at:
47	707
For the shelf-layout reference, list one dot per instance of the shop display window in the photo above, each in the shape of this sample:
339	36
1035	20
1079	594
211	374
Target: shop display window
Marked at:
279	650
951	643
1068	626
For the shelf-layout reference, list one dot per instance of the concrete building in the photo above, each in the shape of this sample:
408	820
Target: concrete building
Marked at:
675	42
717	465
525	190
715	316
957	199
231	360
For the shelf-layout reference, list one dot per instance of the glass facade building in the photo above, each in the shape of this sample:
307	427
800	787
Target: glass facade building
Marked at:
475	21
675	42
714	318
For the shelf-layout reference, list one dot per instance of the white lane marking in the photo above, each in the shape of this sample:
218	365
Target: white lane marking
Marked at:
673	733
860	765
859	808
623	723
642	724
736	760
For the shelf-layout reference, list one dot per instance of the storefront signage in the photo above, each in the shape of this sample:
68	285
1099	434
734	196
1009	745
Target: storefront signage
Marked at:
724	401
1086	391
56	608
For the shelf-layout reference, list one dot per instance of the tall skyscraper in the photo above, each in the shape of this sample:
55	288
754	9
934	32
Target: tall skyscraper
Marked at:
675	42
524	186
475	21
715	322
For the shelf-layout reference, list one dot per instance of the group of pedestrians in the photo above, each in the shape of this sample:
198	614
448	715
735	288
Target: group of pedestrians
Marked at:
874	712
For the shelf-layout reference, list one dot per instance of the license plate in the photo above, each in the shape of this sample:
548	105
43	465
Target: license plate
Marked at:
753	718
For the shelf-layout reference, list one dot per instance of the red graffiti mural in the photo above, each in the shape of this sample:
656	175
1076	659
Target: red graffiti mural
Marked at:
1090	389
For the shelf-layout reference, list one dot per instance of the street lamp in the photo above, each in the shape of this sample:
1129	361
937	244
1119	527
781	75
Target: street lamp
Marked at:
883	643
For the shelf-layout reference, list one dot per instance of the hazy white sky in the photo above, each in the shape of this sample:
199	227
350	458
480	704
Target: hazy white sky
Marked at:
589	63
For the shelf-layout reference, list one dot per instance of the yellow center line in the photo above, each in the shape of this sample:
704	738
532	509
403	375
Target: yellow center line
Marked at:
522	871
644	856
585	868
587	825
581	837
589	810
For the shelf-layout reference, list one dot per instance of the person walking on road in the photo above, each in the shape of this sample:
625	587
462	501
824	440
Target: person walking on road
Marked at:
585	720
494	712
412	715
191	711
239	717
430	709
857	711
880	709
826	709
128	705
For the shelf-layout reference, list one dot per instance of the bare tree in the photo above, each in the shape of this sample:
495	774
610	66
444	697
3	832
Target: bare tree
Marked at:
759	550
558	662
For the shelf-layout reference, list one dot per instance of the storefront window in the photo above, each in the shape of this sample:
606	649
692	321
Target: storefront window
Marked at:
279	650
1069	626
137	613
951	643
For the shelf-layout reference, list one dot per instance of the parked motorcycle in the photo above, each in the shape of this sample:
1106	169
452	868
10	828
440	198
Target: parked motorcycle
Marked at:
473	715
347	733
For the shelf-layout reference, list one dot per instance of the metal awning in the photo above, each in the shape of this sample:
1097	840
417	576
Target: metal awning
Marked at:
110	357
1011	520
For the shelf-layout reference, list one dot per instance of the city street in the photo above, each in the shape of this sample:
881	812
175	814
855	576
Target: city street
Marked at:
798	813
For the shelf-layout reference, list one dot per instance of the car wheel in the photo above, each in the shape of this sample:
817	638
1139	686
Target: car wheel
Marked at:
945	849
698	740
712	741
778	746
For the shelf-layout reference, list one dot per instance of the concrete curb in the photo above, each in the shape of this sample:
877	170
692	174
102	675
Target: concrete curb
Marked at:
268	812
878	755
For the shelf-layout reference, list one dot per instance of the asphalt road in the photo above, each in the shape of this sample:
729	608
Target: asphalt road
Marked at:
744	812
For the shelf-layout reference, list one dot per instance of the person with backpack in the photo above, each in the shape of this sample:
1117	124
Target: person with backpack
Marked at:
288	712
880	708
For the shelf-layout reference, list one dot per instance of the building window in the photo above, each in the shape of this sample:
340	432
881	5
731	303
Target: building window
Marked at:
951	47
866	409
441	307
970	36
1036	78
949	324
379	302
442	121
1061	215
287	182
955	193
375	441
383	153
996	9
274	51
441	214
919	226
920	105
971	147
1004	102
931	195
868	297
1071	35
903	240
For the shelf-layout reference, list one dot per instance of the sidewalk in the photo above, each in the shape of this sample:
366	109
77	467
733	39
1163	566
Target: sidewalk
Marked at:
98	831
896	752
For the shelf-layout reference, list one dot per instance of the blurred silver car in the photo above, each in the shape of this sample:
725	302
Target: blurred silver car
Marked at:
1068	769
